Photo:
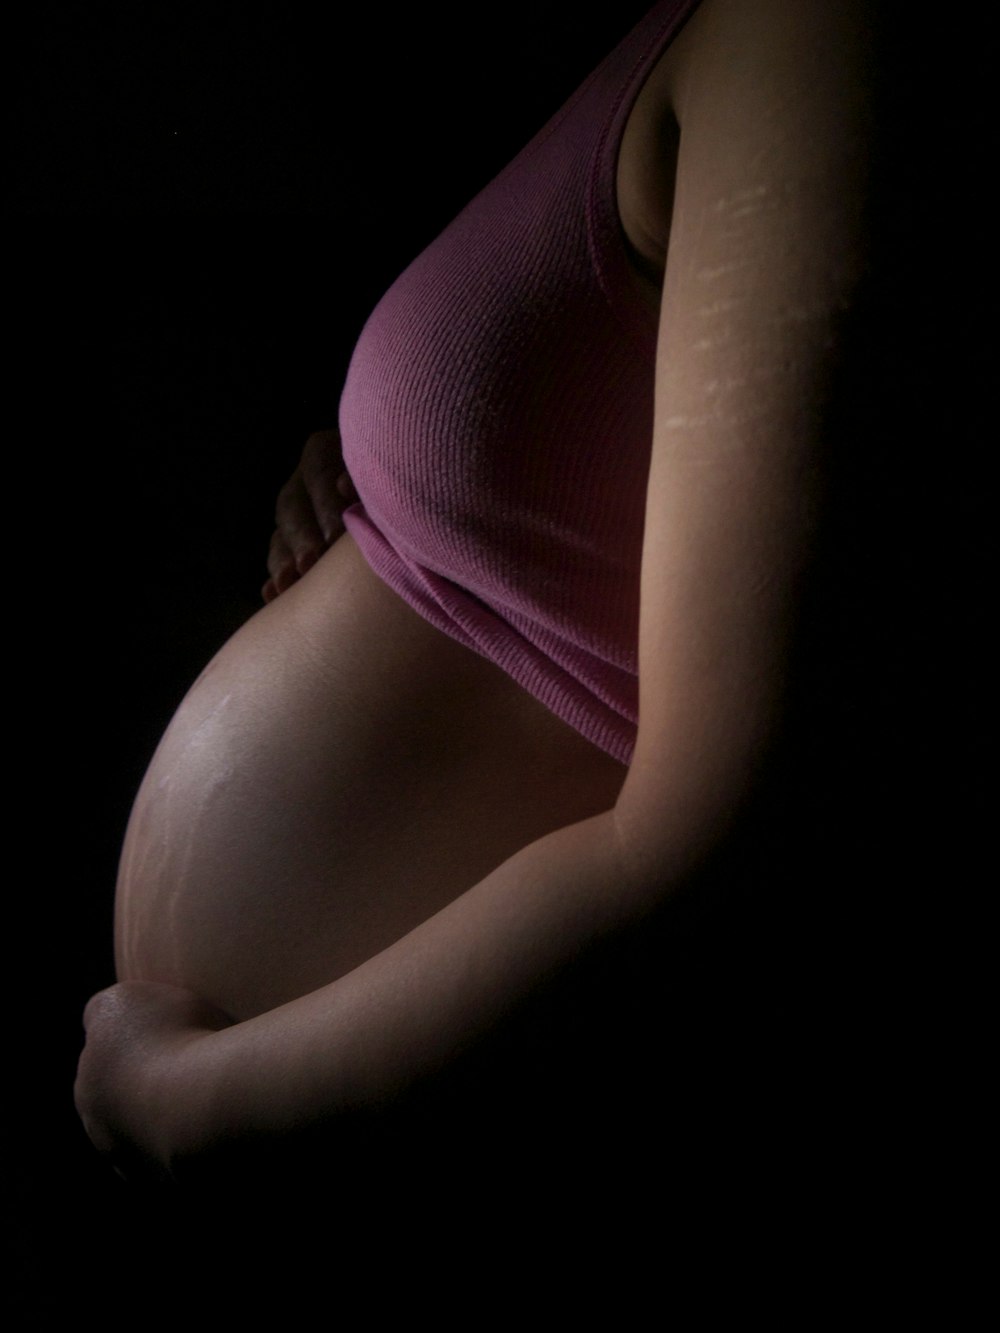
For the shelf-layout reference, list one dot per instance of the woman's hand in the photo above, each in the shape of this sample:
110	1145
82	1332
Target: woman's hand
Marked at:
130	1089
308	512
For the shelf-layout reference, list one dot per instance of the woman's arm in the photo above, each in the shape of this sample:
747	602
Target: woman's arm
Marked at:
765	270
764	258
176	1081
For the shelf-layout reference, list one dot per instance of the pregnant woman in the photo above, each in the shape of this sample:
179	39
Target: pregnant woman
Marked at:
513	704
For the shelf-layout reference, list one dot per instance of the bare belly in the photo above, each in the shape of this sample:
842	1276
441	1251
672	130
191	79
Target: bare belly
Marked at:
339	772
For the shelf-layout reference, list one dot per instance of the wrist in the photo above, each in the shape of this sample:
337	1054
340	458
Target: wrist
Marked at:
177	1100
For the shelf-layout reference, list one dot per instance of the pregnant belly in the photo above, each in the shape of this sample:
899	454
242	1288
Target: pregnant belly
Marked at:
340	771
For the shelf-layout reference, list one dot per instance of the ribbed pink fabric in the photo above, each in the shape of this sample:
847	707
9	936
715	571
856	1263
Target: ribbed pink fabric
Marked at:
497	415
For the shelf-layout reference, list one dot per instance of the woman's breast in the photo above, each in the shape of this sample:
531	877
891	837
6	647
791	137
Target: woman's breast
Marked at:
497	417
340	771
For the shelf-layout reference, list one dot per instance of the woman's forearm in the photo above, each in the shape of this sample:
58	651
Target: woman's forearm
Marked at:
404	1015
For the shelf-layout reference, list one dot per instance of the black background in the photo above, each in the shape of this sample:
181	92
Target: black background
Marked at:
204	202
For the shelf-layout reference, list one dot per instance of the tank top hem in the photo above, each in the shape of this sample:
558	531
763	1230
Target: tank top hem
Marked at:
467	620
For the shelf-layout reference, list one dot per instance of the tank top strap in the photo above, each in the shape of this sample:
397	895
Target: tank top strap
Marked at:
629	66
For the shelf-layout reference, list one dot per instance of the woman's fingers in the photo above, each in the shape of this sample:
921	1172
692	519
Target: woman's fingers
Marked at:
322	470
309	512
281	566
296	520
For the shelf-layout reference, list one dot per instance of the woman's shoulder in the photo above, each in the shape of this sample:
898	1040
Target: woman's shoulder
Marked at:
723	62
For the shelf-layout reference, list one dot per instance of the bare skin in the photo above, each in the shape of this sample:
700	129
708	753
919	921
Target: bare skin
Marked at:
365	843
338	773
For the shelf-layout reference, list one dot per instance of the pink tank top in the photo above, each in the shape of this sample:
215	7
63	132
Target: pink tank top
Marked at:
497	415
